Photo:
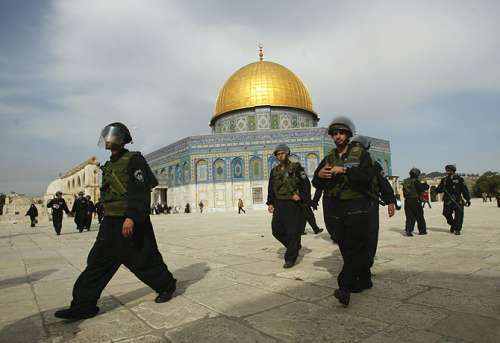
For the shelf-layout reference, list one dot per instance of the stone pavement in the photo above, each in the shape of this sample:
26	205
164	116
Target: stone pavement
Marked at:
232	287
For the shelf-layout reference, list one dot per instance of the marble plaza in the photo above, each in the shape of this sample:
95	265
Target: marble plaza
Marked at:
232	287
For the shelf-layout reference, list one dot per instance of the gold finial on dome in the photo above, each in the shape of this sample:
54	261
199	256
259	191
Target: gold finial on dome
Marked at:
261	54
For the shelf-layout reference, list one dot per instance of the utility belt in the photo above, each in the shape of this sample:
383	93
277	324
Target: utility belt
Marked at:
115	208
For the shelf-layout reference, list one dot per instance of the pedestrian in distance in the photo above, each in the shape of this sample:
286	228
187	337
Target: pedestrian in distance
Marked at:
240	206
33	214
412	191
58	205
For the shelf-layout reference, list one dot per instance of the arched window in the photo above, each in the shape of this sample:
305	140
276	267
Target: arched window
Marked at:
312	161
72	183
219	171
78	181
201	171
69	185
178	175
83	178
171	176
238	168
255	168
186	173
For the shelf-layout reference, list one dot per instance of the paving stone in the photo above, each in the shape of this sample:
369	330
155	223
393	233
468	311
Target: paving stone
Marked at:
176	312
460	301
305	322
398	334
217	330
469	327
389	311
239	300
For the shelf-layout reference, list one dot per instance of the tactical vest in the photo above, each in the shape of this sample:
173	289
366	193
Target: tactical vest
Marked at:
115	184
285	181
409	190
340	187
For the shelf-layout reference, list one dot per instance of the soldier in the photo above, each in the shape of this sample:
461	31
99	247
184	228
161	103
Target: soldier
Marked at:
99	209
32	213
455	191
382	194
58	205
412	191
79	209
288	185
126	235
90	212
346	177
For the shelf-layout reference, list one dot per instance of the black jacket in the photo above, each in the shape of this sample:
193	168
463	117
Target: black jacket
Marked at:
303	185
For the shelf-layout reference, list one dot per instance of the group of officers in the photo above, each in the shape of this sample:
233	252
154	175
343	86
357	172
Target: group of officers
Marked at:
83	211
351	184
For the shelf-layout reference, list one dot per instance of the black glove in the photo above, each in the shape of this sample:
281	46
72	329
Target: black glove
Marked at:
467	203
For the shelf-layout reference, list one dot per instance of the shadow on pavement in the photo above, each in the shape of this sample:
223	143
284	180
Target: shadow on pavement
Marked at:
33	277
34	329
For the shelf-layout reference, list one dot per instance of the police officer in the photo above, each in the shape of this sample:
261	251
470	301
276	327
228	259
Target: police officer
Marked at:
288	186
90	212
79	209
382	194
412	191
58	205
126	235
346	176
99	209
455	191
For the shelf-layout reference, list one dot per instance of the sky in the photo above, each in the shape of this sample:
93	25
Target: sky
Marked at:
423	74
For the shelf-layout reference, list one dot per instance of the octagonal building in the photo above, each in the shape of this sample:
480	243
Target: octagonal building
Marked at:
260	106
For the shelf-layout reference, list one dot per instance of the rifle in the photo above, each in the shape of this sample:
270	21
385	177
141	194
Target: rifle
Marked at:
452	198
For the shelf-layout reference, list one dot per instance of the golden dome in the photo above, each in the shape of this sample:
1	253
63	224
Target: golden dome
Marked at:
262	83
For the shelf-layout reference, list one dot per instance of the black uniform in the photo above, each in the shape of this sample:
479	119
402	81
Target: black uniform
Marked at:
99	209
90	213
32	213
385	192
413	189
139	253
58	205
79	209
288	221
455	191
346	208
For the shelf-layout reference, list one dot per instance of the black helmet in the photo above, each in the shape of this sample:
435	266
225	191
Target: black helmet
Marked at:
116	133
414	172
362	140
58	193
450	167
281	147
82	193
341	124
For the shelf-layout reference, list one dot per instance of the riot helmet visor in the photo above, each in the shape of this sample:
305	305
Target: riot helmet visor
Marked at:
111	134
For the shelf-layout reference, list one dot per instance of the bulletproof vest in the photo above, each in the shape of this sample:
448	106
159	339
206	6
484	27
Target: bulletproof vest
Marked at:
285	181
340	187
115	184
409	189
453	187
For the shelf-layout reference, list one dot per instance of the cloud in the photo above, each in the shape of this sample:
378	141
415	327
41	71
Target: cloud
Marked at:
158	65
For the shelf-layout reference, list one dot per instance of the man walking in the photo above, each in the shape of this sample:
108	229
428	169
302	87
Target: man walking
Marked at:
455	191
288	184
412	191
240	206
33	214
126	235
79	209
58	205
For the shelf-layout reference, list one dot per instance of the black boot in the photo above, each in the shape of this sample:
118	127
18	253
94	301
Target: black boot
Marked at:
343	296
289	264
77	313
164	296
409	234
457	233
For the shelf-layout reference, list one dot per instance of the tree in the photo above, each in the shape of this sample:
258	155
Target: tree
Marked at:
489	183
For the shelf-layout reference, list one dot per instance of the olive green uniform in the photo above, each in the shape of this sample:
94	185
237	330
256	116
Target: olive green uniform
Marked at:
288	221
412	190
125	193
346	207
